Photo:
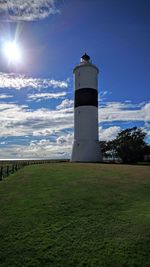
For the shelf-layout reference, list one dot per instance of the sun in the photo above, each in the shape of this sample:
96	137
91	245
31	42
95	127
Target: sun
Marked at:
12	52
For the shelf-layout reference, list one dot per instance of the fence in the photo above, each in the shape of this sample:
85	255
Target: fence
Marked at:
9	167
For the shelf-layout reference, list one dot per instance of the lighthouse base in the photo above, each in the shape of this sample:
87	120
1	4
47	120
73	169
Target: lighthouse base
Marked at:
86	151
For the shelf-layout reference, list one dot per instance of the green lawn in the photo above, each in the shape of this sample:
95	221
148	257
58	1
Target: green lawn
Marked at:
73	215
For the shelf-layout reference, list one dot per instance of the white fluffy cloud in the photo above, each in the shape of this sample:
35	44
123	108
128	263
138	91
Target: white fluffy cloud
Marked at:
116	111
146	112
67	138
45	96
66	103
13	81
55	127
17	120
29	10
4	96
43	148
108	133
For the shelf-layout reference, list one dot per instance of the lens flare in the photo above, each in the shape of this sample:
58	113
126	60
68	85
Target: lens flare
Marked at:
12	52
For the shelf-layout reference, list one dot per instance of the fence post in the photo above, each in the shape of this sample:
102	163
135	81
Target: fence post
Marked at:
1	173
16	167
7	170
13	168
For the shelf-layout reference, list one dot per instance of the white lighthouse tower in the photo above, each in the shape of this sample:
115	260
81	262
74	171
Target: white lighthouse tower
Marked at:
86	146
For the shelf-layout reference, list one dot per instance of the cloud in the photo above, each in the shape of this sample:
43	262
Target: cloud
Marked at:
146	111
45	96
2	143
43	148
18	120
66	104
43	132
62	139
29	10
102	96
108	133
54	128
3	96
13	81
116	111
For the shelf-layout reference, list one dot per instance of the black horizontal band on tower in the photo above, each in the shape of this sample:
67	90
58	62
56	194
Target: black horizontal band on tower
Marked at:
86	97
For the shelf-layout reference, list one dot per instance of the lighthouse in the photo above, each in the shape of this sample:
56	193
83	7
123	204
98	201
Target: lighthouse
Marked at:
86	146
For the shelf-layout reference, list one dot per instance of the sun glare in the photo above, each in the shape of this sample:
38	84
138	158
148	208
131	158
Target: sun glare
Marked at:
12	52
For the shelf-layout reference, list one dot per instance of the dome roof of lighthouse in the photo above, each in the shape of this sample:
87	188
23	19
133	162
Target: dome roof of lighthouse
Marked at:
85	57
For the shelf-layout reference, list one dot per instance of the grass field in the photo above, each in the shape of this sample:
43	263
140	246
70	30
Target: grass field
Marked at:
75	215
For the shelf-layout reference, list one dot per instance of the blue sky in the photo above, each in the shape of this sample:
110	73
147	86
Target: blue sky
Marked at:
36	93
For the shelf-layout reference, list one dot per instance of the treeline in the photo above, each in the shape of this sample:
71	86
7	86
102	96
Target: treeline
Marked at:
128	147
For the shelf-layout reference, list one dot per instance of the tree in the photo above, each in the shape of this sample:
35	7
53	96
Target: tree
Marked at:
147	153
103	148
107	150
129	145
